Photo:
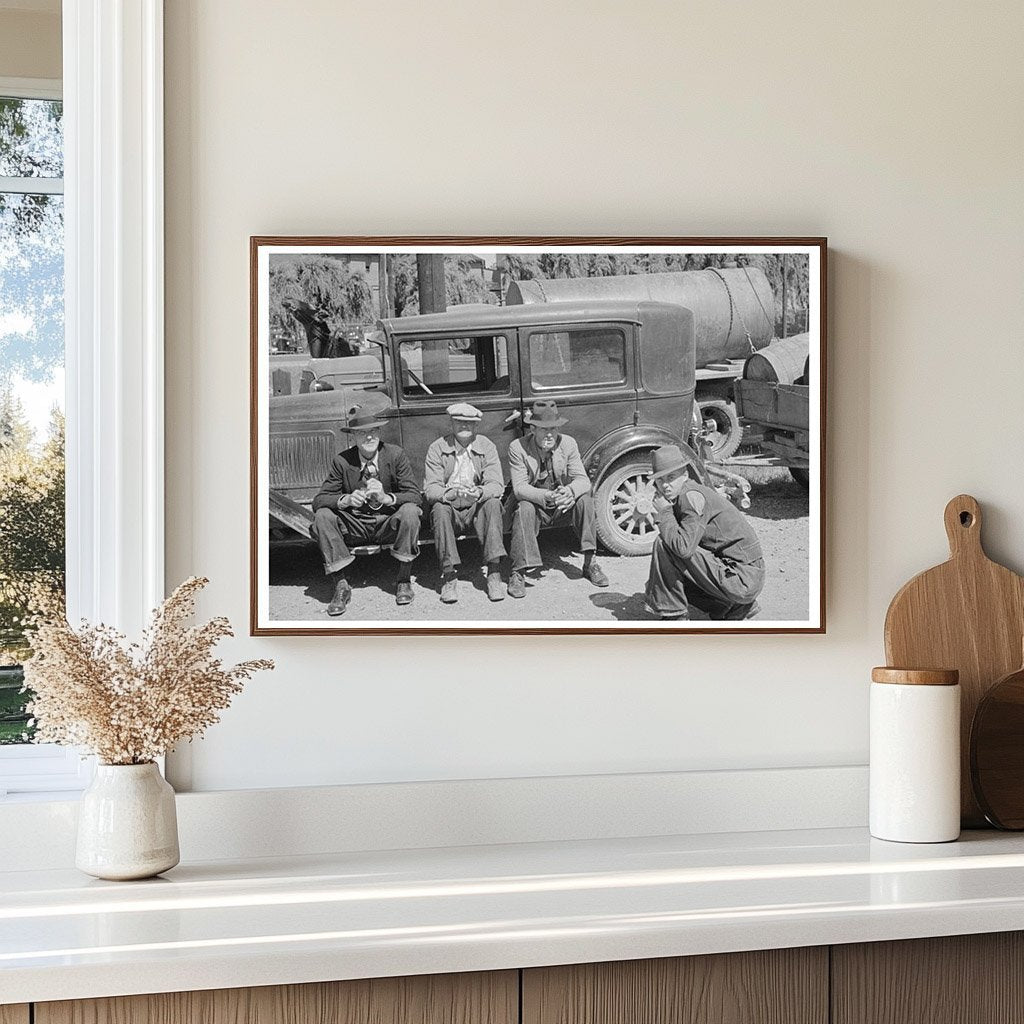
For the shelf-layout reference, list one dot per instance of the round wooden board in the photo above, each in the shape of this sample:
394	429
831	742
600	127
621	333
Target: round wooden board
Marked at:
997	753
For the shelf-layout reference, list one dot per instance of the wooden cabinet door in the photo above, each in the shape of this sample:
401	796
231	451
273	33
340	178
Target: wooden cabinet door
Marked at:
14	1014
960	979
481	998
778	986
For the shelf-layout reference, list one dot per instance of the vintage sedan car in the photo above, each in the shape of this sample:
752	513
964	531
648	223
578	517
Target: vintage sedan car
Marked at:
622	373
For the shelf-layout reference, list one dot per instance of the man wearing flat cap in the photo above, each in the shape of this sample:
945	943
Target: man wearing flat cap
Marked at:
549	483
370	496
463	484
707	555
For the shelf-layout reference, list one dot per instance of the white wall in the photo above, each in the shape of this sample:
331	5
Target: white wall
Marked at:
895	129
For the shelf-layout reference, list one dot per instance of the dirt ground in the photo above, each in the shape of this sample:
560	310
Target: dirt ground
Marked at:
779	512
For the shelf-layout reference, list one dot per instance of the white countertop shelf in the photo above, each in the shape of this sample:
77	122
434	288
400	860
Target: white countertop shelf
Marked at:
225	924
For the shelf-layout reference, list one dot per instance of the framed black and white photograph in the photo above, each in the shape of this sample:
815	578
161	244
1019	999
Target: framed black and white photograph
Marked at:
537	435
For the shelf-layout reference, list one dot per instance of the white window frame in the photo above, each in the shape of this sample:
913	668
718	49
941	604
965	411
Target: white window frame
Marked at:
31	89
114	345
35	768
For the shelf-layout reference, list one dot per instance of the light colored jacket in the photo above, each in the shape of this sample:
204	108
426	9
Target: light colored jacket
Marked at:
440	463
524	466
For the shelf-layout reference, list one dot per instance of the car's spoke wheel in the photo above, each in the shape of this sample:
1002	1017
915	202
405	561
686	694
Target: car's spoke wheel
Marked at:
625	509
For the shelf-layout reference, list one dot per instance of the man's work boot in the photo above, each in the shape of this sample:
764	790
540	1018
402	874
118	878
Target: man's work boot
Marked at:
516	585
665	616
739	612
403	592
449	590
341	598
593	572
495	590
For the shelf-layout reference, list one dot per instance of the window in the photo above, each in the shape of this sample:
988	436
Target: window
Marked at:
114	312
32	548
454	366
578	358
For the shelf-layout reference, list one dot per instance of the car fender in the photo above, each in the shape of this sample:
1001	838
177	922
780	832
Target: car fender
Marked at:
626	440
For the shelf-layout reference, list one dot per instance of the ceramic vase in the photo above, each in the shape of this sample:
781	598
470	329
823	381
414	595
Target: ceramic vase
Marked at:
127	825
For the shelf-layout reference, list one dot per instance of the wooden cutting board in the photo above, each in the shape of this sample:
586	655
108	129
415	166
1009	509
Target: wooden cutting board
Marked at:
967	614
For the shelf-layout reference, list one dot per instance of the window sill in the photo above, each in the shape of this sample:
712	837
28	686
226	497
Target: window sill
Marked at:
42	797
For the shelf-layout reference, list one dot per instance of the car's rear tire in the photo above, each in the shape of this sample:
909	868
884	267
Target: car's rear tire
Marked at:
724	430
624	507
801	476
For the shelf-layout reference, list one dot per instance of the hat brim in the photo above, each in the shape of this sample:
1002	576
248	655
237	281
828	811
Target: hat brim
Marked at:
560	422
685	464
364	426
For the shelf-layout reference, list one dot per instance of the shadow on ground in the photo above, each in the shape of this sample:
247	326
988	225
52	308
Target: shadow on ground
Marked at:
625	607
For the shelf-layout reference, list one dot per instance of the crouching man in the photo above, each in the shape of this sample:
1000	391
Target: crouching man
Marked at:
463	483
548	483
370	496
706	555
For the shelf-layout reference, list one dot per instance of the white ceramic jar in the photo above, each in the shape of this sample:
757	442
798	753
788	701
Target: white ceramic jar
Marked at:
127	823
915	755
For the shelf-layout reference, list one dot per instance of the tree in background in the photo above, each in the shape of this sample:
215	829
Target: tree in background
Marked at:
519	267
343	296
31	349
463	283
337	293
405	284
31	243
31	145
32	572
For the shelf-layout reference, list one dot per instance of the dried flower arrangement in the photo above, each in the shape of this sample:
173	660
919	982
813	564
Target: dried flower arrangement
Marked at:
130	703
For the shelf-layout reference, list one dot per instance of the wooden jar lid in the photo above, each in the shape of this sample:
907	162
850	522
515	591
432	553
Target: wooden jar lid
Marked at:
916	676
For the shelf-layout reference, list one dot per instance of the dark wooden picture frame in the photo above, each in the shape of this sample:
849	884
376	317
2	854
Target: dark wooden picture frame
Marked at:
812	440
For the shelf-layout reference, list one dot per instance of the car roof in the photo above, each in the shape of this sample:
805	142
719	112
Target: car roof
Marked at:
480	317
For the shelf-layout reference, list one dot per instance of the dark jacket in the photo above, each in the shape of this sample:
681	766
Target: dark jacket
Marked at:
440	463
395	474
701	517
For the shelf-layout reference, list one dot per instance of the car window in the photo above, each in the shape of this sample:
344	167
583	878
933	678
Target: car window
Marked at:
564	359
454	366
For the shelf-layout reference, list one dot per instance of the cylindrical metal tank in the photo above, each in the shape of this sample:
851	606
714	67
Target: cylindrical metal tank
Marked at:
726	304
781	362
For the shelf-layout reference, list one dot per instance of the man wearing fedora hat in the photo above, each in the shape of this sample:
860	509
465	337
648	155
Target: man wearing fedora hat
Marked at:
548	482
370	496
463	484
707	554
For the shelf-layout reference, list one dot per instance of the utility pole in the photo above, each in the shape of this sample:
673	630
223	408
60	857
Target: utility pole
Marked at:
430	271
784	295
499	277
383	295
436	354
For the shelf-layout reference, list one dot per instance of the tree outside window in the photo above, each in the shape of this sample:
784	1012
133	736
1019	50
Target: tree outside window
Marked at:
32	541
